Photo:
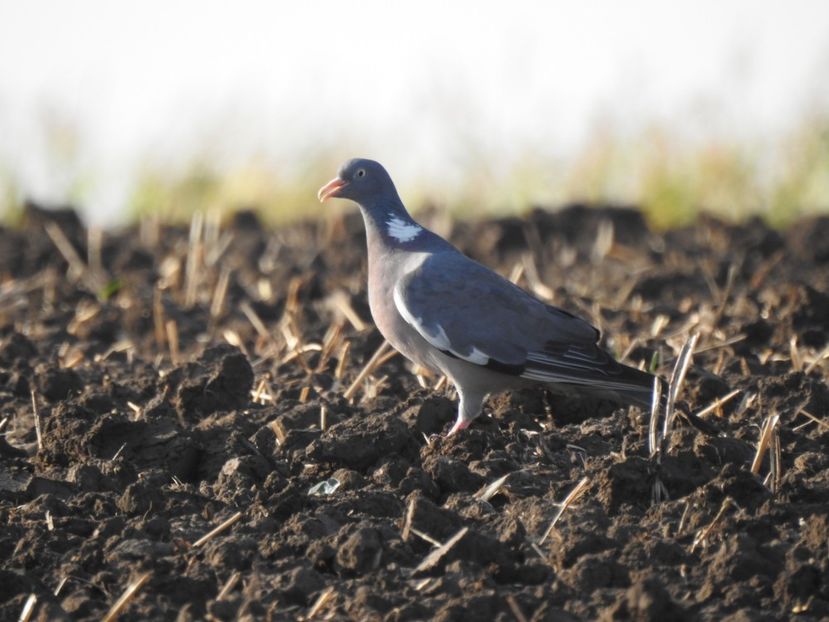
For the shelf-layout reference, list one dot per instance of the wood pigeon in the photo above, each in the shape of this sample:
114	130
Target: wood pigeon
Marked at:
447	312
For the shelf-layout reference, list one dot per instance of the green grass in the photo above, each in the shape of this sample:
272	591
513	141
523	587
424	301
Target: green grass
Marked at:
10	199
671	179
804	186
201	186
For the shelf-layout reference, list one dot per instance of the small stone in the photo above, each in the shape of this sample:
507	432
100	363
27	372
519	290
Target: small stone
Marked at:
428	518
361	551
57	384
359	442
301	583
647	601
219	380
452	475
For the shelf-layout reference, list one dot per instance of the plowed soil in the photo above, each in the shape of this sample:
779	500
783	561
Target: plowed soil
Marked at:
158	383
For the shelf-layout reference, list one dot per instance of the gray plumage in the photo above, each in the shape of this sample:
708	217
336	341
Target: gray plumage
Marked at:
451	314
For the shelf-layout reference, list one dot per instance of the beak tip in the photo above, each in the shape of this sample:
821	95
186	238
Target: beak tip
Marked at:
330	189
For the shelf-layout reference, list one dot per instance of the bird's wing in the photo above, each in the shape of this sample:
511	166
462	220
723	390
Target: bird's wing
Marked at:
469	312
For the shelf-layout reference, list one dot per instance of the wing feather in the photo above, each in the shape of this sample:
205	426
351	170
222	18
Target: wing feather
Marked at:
466	310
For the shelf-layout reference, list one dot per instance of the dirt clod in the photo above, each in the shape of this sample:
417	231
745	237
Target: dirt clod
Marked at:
192	424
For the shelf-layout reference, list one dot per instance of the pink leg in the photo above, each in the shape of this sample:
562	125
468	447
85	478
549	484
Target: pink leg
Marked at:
469	407
460	424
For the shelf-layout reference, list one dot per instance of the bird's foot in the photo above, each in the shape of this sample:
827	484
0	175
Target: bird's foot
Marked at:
431	439
460	424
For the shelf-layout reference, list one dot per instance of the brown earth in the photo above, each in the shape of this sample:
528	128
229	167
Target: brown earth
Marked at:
152	430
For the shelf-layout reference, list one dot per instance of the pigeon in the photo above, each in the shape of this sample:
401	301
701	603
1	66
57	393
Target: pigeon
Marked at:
448	313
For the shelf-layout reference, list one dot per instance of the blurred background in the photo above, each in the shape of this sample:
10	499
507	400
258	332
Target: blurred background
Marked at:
124	108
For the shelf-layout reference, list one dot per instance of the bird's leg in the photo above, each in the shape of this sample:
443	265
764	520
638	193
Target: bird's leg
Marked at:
460	424
469	407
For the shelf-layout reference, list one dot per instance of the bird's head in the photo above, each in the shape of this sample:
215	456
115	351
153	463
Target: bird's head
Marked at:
363	181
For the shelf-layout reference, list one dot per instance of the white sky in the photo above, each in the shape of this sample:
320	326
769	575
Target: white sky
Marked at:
417	85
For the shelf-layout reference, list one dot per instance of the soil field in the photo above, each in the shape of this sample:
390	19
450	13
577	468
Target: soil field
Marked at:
193	428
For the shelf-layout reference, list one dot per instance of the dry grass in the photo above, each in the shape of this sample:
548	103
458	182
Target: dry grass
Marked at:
125	598
704	533
204	281
38	424
515	609
767	433
658	438
811	419
224	526
28	608
718	403
434	557
493	489
578	490
324	600
380	356
229	585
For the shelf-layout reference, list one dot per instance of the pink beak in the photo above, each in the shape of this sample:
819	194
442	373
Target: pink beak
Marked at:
330	189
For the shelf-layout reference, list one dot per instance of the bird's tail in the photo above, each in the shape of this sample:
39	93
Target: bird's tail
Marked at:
589	370
636	387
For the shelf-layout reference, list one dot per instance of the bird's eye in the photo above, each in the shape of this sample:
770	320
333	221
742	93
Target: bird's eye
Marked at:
361	172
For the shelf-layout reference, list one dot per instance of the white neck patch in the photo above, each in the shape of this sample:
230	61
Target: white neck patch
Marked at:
401	230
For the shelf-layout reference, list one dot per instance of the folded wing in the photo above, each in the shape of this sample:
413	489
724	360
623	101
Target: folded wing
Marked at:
469	312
